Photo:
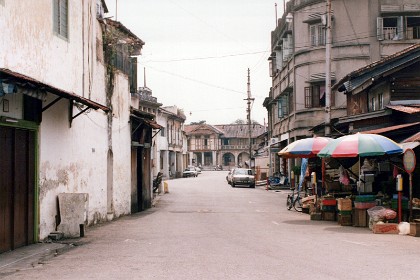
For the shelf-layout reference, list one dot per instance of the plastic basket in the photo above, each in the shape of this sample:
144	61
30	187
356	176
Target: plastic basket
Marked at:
365	198
364	205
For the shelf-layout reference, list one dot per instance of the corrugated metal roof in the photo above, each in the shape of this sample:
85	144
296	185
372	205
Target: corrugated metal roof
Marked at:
373	70
125	30
28	82
203	129
409	145
390	128
241	130
415	137
409	109
227	130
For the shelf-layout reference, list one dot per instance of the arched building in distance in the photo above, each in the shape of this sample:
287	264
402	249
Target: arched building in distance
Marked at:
226	145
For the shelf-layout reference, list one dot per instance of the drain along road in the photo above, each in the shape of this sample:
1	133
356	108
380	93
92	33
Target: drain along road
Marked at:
204	229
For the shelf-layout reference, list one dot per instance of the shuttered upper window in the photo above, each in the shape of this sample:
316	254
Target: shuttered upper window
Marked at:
60	17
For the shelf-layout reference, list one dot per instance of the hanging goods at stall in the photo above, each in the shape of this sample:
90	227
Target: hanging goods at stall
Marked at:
361	145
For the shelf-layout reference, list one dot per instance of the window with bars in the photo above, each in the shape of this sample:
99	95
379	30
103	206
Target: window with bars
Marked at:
291	107
282	107
317	33
60	17
380	101
372	104
315	96
398	28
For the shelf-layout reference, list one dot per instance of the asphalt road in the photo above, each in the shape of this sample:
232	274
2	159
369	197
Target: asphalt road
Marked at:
204	229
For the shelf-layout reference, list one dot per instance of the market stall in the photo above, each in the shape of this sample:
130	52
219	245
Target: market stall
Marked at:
368	149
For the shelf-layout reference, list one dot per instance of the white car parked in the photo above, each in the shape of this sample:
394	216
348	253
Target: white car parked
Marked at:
190	171
243	176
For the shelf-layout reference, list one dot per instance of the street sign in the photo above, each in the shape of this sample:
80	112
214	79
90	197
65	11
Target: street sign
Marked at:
409	160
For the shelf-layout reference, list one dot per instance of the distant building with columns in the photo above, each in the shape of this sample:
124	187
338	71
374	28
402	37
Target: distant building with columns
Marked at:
226	145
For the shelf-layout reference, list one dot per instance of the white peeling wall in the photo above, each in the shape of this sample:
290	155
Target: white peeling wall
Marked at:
71	159
121	145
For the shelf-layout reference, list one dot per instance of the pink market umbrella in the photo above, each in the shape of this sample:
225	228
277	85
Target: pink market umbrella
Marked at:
361	145
305	148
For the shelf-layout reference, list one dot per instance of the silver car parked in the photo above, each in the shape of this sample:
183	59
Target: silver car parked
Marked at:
244	177
229	176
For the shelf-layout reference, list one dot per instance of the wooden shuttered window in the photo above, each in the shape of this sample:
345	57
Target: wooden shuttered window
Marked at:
60	17
315	96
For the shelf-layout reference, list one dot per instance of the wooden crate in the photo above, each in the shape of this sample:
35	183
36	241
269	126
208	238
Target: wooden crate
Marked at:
328	216
344	204
360	218
316	216
344	220
415	229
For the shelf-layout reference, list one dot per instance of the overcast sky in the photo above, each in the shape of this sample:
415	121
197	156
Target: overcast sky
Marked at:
197	53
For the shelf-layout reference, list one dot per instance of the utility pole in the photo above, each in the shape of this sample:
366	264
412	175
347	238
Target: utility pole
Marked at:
275	8
328	72
248	111
116	10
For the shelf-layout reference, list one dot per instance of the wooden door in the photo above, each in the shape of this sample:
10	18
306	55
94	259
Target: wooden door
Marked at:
17	187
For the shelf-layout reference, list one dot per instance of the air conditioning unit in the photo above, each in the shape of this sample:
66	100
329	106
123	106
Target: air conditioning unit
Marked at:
273	141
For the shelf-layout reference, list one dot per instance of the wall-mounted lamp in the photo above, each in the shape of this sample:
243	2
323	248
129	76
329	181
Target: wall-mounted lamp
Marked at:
289	17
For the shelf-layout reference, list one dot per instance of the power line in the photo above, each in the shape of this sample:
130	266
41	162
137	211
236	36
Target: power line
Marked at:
198	81
207	57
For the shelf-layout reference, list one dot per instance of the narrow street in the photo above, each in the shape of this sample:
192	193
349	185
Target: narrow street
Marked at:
204	229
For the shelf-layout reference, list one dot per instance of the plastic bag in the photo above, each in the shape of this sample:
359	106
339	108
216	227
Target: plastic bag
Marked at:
344	176
404	228
377	213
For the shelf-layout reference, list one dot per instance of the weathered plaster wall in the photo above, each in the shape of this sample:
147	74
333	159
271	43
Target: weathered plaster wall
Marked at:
121	146
71	159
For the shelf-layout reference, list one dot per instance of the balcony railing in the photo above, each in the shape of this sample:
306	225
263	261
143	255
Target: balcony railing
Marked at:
145	97
238	147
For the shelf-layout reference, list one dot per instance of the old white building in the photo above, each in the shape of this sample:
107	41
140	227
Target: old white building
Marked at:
170	148
64	115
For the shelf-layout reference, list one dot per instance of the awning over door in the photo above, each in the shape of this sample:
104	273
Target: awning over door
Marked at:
9	80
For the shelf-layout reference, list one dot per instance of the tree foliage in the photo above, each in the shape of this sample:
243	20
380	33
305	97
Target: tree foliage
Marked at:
241	121
200	122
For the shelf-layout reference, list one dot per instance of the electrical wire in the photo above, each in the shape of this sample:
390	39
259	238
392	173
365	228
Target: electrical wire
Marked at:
207	57
196	81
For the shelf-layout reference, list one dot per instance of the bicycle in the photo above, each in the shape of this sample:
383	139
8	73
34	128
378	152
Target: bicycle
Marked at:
294	200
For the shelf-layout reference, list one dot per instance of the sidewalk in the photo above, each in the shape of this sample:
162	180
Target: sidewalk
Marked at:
31	256
28	257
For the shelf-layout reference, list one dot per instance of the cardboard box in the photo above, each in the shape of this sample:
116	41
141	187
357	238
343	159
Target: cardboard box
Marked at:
344	204
390	228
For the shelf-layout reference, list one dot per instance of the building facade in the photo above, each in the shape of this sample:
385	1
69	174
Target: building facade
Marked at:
361	32
65	116
170	153
226	145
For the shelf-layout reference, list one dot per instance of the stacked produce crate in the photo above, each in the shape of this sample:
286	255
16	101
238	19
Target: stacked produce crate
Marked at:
344	206
361	204
328	208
